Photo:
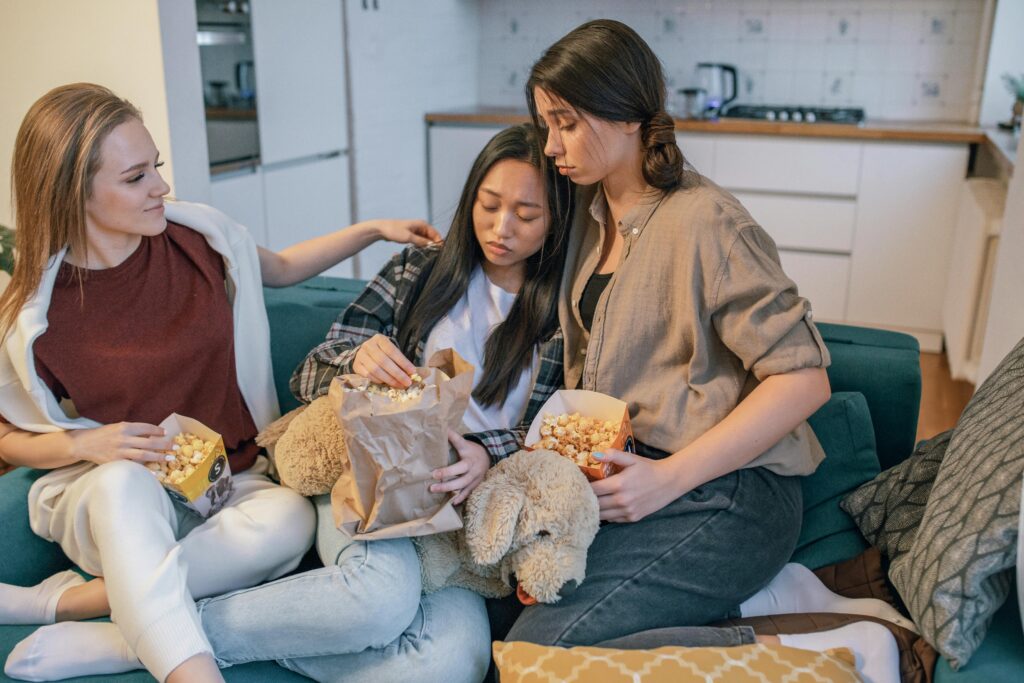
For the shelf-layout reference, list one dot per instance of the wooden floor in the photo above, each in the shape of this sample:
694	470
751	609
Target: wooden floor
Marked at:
942	398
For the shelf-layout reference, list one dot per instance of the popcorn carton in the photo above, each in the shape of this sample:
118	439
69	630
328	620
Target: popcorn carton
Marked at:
577	423
200	477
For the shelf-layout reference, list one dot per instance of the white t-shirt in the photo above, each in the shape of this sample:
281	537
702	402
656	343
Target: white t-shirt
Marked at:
465	328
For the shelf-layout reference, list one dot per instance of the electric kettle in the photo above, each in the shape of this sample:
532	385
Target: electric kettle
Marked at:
720	85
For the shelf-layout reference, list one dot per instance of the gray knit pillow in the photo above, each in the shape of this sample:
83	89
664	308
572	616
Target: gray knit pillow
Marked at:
889	508
957	572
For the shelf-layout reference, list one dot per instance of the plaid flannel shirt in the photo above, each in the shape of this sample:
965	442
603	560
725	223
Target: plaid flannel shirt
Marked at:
381	309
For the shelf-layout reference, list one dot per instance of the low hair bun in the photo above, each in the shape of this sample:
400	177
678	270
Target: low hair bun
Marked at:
663	161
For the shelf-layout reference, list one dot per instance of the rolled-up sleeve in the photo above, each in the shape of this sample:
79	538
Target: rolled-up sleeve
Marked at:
758	313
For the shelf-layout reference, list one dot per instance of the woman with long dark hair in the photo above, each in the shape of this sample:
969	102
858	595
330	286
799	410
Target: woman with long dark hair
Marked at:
673	300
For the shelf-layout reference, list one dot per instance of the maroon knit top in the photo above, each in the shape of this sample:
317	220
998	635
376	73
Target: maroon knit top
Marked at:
150	337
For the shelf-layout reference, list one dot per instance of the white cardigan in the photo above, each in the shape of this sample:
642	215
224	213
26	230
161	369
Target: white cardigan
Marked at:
28	403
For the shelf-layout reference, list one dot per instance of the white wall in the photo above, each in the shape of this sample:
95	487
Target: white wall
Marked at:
1006	54
899	59
1006	314
406	58
46	43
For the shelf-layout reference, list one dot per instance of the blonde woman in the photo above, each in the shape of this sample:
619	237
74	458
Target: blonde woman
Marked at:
122	309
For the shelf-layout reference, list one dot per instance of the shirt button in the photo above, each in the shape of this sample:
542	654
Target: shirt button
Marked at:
636	231
583	352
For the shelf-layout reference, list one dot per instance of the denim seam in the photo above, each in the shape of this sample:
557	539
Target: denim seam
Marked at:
629	580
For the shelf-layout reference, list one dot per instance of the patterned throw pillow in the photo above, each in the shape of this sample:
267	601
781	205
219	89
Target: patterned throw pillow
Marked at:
520	662
889	508
958	571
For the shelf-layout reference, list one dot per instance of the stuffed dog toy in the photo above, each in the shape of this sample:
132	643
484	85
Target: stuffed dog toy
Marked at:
533	516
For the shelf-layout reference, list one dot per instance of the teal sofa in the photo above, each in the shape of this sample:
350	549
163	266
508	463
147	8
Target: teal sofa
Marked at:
869	423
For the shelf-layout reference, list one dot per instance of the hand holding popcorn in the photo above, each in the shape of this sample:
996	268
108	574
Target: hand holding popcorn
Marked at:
187	451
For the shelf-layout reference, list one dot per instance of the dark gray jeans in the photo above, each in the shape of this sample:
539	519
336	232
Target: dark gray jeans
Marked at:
657	581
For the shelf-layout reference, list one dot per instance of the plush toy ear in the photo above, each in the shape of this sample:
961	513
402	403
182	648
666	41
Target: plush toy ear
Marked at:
492	514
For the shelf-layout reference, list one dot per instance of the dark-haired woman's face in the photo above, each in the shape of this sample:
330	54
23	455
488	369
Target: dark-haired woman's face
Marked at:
510	220
585	148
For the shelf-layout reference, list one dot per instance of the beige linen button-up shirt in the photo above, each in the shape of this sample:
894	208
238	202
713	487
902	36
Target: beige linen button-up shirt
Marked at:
696	315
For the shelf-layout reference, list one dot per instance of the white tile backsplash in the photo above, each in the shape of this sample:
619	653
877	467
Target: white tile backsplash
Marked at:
899	59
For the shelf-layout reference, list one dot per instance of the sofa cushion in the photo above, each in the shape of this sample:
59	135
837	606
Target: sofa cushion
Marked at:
300	317
1000	657
828	535
25	559
889	508
959	569
885	367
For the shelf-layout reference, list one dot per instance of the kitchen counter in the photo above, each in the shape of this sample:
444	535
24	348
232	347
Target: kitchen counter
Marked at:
230	114
1003	147
950	132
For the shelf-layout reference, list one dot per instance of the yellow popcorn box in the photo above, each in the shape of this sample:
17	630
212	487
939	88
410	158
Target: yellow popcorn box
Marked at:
202	483
576	423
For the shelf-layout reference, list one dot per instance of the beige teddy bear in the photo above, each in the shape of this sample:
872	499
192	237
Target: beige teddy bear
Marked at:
533	516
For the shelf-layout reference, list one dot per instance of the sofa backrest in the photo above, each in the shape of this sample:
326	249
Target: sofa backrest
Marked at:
885	367
882	365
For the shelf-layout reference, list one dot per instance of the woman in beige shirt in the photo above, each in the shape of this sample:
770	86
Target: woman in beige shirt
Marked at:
674	301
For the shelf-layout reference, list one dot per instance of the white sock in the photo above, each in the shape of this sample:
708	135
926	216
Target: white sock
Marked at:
71	648
796	589
873	646
35	604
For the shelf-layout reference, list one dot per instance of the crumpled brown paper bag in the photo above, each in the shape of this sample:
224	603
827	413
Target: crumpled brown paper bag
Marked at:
393	447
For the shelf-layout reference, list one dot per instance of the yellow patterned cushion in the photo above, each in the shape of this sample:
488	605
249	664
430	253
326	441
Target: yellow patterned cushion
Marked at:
520	662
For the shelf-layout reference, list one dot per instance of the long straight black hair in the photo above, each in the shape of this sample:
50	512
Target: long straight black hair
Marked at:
534	313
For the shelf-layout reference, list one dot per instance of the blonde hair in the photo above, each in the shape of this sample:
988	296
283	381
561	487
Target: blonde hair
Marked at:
56	156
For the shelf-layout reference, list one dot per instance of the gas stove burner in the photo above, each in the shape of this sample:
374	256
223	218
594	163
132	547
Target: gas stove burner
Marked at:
796	114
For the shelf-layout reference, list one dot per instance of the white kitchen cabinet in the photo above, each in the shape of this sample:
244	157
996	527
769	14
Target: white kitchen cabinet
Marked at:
975	244
802	222
453	149
240	195
822	279
794	165
299	52
699	151
907	208
306	200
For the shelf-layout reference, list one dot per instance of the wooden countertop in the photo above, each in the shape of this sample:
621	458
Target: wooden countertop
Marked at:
950	132
869	130
230	114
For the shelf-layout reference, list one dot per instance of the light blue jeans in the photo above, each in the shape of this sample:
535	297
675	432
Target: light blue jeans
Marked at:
360	618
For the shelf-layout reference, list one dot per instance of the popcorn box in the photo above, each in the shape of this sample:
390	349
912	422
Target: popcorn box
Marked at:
576	406
208	487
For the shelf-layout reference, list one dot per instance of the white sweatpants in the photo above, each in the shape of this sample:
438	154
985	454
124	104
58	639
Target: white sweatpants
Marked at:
116	521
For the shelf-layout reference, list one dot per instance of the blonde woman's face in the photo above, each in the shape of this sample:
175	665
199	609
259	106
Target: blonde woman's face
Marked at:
127	193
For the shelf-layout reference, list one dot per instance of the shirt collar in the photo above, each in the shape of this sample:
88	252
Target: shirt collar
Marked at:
635	219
